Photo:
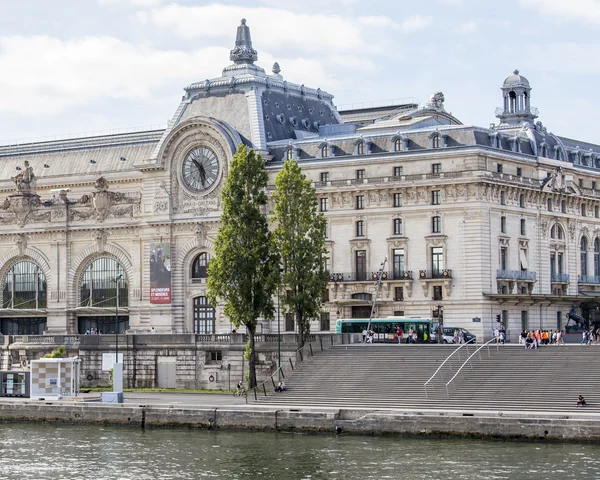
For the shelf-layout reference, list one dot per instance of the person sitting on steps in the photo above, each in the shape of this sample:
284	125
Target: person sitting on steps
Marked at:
581	401
280	386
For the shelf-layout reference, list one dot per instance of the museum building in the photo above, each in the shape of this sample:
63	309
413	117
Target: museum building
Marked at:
472	223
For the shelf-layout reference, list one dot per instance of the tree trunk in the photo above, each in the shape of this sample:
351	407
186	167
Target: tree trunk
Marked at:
252	359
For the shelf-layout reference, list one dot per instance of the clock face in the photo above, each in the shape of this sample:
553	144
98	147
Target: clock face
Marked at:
200	169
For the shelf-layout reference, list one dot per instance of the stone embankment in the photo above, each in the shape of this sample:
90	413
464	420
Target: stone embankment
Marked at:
572	426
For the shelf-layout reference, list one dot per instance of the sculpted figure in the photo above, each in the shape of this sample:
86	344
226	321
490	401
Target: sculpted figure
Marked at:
25	179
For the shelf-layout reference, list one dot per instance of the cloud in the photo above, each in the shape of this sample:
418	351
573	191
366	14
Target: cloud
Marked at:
584	11
415	23
135	3
273	28
47	76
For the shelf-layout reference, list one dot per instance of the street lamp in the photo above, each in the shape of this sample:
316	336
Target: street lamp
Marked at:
117	279
279	322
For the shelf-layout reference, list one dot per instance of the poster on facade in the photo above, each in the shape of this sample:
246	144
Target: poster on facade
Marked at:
160	273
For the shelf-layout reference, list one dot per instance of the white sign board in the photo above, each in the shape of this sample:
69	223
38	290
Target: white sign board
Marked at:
108	361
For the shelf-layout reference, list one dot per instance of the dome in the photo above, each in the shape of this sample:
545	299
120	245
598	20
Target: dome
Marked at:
516	80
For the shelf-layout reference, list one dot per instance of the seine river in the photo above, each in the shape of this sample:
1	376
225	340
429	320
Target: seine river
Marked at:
73	452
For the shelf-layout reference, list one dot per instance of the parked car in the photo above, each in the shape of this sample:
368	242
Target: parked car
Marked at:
448	334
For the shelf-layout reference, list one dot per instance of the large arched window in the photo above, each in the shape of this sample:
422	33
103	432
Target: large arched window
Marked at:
98	284
200	266
24	286
204	316
583	255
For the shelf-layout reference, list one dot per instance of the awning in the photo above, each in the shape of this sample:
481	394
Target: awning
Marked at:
22	312
99	311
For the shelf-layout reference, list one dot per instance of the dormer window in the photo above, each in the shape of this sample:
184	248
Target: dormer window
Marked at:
435	142
398	145
325	151
289	154
360	148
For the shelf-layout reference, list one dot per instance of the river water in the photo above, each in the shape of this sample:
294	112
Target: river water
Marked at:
89	452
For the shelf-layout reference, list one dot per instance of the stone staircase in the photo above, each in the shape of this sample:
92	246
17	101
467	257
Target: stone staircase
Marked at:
392	376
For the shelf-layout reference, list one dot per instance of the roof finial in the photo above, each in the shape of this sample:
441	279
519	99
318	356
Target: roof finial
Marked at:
516	72
243	51
276	68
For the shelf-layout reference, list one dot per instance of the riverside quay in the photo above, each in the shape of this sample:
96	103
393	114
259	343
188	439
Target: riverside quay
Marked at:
480	225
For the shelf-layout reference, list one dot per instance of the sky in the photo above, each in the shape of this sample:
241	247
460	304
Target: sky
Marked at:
77	67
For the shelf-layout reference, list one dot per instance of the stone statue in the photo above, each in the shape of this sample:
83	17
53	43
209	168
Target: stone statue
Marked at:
25	180
436	101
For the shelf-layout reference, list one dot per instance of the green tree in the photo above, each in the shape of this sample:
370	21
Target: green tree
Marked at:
243	272
300	241
58	352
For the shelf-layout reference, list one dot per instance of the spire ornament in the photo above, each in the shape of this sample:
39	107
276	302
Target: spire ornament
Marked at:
243	51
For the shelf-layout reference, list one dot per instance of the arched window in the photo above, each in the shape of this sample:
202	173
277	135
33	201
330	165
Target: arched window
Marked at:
435	142
204	316
324	151
360	148
200	266
597	257
398	145
583	256
24	286
98	284
289	154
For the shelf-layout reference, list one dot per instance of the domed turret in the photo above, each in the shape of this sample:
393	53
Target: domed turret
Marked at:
516	95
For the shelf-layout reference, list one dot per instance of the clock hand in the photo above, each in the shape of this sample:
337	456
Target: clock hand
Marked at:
201	171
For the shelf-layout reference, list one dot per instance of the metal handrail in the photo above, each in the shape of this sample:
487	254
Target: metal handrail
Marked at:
486	344
466	344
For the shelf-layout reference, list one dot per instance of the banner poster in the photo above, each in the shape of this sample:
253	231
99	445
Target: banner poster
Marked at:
160	273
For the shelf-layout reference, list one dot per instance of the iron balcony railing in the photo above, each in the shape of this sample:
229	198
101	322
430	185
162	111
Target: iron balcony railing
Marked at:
522	275
365	276
589	279
560	278
531	110
433	274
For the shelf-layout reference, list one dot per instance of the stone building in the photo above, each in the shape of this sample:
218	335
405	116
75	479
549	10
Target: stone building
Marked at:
474	222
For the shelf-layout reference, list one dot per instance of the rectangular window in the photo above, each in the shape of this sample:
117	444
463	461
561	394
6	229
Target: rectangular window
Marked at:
289	322
437	292
436	224
583	210
502	224
552	266
499	168
325	295
559	263
581	182
324	177
360	228
524	320
399	294
503	258
563	206
397	199
361	265
502	198
360	174
323	204
397	226
522	226
214	357
327	230
436	168
549	204
519	171
360	202
596	211
437	261
398	171
398	263
593	185
325	323
398	313
435	197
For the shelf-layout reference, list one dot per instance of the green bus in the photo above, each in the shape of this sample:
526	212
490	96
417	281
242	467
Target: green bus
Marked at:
385	328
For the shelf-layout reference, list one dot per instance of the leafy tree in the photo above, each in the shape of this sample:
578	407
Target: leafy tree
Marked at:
300	239
244	271
58	352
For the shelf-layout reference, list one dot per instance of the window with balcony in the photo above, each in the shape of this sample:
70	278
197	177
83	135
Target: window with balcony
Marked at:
436	197
398	263
324	177
583	256
398	171
360	261
436	224
399	294
437	292
437	261
323	204
360	228
397	199
523	259
502	224
503	258
360	174
436	168
360	202
397	226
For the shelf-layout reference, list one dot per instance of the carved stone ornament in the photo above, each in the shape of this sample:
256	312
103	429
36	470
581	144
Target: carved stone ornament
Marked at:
201	233
21	243
104	203
100	236
572	228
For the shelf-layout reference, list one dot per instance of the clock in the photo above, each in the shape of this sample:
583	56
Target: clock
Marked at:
200	169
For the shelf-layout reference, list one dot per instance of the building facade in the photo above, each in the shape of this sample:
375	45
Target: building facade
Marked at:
472	223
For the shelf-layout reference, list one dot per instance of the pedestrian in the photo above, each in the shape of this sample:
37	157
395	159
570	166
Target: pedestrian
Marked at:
584	337
152	330
364	334
399	334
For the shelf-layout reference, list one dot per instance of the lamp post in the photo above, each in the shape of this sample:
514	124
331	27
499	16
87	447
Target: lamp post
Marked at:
117	279
279	322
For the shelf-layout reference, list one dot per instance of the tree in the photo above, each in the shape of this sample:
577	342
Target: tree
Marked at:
243	272
300	241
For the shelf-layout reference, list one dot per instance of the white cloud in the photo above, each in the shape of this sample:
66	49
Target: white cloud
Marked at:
135	3
273	28
416	23
585	11
47	76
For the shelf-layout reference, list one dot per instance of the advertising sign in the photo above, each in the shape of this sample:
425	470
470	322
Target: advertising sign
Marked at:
160	273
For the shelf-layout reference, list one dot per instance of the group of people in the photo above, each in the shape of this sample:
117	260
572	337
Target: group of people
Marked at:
92	331
590	337
534	338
